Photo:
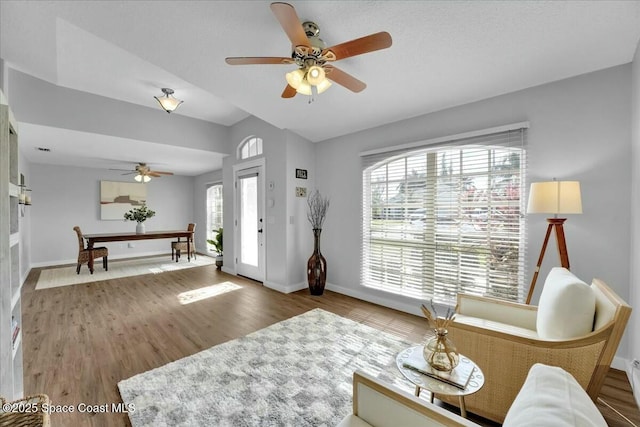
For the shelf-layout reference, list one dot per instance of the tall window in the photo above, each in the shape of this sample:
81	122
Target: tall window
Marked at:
446	218
251	147
214	210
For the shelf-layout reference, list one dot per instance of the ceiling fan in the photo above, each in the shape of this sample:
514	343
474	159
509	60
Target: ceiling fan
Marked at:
312	56
144	173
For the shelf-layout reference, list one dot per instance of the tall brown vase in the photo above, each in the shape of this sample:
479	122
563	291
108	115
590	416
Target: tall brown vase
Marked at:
316	266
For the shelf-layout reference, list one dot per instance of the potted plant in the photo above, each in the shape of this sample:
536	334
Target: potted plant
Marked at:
140	215
216	242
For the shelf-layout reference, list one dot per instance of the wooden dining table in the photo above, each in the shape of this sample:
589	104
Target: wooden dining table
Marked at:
92	239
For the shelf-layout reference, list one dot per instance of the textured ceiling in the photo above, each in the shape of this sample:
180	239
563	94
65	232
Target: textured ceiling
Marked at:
444	53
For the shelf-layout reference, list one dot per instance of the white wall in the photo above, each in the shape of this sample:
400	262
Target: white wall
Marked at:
580	130
39	102
64	197
300	155
200	208
283	152
274	149
24	221
634	323
3	76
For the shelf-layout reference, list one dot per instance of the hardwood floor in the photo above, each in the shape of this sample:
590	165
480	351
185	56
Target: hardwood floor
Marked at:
81	340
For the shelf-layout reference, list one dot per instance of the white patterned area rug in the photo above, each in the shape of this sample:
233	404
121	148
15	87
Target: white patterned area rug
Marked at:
64	276
297	372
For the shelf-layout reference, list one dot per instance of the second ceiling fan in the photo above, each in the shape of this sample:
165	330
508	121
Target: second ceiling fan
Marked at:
312	57
144	173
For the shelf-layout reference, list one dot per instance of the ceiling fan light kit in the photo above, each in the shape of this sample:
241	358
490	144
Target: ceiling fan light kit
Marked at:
143	173
311	55
167	101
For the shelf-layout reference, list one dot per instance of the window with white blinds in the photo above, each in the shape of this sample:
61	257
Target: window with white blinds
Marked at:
214	209
446	217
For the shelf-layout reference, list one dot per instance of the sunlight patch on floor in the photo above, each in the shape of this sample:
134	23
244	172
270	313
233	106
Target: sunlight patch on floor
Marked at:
170	266
207	292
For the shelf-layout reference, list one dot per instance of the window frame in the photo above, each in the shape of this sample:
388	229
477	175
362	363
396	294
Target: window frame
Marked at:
376	159
210	223
250	147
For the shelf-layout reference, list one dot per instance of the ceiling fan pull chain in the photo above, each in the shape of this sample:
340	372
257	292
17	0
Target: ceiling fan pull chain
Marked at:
313	91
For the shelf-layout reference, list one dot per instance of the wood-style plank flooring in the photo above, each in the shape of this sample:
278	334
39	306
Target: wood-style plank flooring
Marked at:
81	340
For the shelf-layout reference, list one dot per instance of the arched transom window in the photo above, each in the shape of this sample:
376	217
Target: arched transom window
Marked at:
251	147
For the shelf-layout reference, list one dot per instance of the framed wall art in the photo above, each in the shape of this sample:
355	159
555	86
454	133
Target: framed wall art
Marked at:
116	198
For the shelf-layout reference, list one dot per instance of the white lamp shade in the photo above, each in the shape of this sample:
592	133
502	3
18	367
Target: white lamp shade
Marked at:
324	85
294	78
167	103
555	197
304	88
142	178
315	75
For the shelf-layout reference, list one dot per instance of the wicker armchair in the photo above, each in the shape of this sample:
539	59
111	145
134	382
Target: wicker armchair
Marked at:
178	247
84	254
36	416
501	337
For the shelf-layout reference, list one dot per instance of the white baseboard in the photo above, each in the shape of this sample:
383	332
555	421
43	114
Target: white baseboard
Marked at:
620	363
396	305
228	270
285	289
633	374
635	384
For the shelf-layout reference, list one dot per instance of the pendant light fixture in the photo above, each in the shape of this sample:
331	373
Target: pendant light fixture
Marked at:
167	101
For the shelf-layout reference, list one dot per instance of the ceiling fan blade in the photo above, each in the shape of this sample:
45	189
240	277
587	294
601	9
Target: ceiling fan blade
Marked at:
250	60
288	18
161	172
344	79
370	43
153	174
289	92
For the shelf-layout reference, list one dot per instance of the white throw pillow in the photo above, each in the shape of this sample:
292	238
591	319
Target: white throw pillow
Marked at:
567	306
550	396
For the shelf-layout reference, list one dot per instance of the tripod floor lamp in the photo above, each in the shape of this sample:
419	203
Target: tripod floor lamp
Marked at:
554	197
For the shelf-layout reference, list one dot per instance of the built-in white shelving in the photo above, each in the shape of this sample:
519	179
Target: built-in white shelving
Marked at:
11	380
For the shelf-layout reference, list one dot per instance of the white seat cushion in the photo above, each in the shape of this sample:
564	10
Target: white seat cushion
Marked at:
550	396
566	308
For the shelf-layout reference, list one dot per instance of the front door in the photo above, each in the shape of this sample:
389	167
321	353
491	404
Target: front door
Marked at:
250	223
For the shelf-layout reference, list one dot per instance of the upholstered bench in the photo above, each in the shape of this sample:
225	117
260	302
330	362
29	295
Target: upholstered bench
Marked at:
549	396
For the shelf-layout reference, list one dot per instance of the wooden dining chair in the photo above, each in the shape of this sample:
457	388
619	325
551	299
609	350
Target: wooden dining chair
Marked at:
179	246
84	254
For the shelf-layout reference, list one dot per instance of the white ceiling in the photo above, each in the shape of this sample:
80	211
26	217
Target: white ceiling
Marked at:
444	53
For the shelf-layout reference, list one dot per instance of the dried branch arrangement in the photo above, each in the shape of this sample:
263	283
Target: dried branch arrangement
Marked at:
318	207
436	321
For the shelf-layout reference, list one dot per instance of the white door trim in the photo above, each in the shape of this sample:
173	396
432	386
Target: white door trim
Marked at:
238	167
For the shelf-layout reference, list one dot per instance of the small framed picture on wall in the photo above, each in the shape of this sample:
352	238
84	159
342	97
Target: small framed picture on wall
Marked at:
301	173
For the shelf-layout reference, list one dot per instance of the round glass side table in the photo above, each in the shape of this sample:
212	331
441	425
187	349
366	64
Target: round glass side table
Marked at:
435	386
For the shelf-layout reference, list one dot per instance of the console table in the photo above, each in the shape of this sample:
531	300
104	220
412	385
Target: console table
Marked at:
149	235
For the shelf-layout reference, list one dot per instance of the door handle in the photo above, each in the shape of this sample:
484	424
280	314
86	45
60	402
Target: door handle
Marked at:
260	230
